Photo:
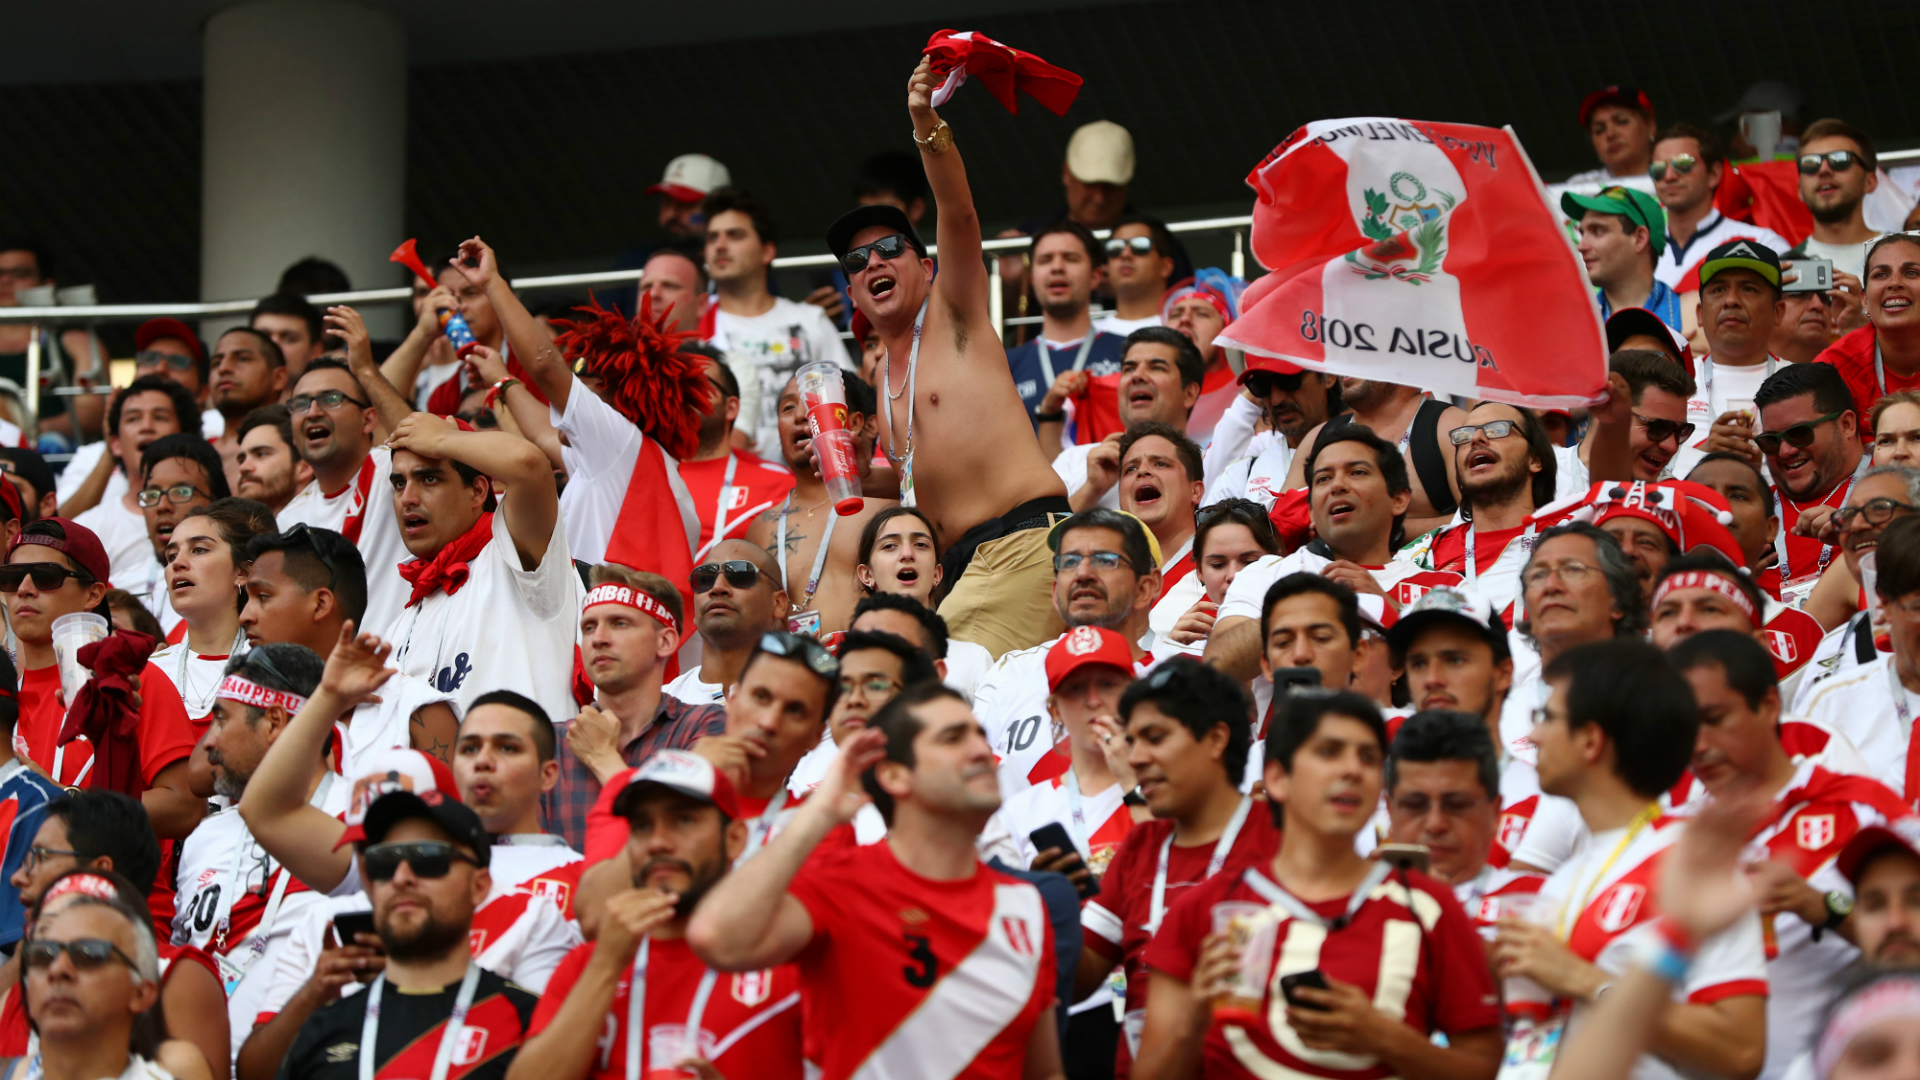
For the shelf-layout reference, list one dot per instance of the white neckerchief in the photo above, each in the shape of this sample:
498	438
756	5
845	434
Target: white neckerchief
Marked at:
1473	565
903	461
1221	849
449	1037
636	1011
1046	356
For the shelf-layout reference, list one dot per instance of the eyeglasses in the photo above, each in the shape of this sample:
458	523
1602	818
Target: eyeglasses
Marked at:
329	400
155	358
802	650
46	577
887	247
1659	431
1837	160
1453	806
1573	573
872	686
1875	511
178	494
1800	435
1102	560
427	858
1262	384
1493	429
1681	164
87	954
38	855
1139	245
740	573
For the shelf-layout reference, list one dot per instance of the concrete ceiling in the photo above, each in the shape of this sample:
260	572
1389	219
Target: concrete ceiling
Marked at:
105	41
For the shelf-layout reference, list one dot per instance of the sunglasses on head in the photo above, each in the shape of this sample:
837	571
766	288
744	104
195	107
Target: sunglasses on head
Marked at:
46	576
803	650
1659	431
740	573
1681	164
1837	160
1800	435
887	247
1139	245
153	357
427	858
1263	383
87	954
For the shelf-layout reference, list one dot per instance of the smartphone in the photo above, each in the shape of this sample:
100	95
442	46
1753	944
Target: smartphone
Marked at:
1287	679
1293	982
347	924
1815	275
1054	835
1403	856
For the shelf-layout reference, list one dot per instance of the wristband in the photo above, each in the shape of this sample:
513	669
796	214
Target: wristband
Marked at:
1668	953
499	389
1051	417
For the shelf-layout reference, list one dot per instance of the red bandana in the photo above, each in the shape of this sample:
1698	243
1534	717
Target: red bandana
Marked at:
447	570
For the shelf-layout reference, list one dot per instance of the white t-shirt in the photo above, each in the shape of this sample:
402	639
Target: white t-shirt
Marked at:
764	351
370	498
81	465
1119	327
1071	466
1859	703
688	688
386	724
601	452
1675	260
1838	651
506	629
1260	478
1175	602
1570	475
967	666
123	533
1728	384
1847	258
1012	706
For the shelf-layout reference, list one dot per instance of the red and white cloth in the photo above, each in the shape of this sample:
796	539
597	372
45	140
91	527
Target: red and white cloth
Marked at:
1005	71
362	512
733	504
1402	579
1423	254
1498	557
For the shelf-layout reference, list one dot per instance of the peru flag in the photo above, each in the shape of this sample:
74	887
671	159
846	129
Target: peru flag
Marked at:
1421	254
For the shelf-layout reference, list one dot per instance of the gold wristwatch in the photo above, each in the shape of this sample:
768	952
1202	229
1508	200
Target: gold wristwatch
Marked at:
939	141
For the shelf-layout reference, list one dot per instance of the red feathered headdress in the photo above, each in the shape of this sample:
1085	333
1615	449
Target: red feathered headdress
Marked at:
649	380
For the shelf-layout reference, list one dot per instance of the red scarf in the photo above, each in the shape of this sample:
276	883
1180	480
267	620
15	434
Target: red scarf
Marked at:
447	570
104	711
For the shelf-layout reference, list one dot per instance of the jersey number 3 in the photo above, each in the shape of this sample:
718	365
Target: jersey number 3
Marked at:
925	969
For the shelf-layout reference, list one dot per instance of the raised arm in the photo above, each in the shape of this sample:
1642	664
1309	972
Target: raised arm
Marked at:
531	504
524	414
531	343
963	272
389	405
402	365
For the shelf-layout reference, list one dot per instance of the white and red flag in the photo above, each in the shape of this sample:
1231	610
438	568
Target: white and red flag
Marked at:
1421	254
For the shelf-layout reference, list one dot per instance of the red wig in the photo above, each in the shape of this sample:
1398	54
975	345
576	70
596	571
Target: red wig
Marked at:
648	379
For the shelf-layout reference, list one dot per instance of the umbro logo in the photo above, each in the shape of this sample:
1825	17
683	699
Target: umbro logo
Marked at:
342	1052
1743	250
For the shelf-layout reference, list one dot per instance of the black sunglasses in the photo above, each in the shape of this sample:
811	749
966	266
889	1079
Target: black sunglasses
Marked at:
428	858
87	954
1800	435
1140	245
46	576
1263	383
804	650
887	247
1837	160
740	573
1659	431
327	546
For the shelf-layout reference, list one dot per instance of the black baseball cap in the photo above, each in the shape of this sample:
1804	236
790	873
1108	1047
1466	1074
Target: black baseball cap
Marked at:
840	234
449	813
1639	322
31	467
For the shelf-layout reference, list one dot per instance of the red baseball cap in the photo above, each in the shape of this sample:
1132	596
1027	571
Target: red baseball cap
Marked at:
685	772
860	326
81	545
1256	362
154	329
1631	96
1902	833
1084	645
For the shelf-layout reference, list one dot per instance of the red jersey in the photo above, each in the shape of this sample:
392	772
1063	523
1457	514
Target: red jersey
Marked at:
166	735
1852	355
756	486
750	1026
1393	950
1116	924
942	980
1806	557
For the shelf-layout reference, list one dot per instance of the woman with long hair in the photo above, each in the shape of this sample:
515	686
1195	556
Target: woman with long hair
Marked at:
900	553
206	583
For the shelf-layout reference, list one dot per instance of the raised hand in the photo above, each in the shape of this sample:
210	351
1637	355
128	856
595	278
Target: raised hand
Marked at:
357	666
483	269
841	794
920	88
346	324
424	434
439	300
484	366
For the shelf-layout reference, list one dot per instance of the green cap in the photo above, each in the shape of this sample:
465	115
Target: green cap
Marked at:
1742	254
1630	203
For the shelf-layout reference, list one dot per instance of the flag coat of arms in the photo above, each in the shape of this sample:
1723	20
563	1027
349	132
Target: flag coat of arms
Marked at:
1422	254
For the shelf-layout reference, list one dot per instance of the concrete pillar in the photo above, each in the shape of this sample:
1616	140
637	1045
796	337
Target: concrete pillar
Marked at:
305	148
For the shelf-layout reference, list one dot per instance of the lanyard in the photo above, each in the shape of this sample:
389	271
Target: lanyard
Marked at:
1273	893
449	1037
1221	848
529	839
636	1006
236	885
1640	821
726	496
1706	381
1046	357
819	555
1473	565
904	460
760	830
1826	550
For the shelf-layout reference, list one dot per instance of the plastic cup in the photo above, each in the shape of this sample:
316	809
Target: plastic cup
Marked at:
1523	996
1745	405
1870	581
825	397
667	1044
1762	131
70	632
1253	934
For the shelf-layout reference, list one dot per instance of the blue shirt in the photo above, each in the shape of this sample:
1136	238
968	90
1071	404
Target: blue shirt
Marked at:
1030	376
1663	302
24	795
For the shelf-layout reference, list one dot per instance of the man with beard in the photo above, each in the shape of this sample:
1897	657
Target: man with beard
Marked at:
1838	167
248	371
1293	401
1688	164
685	828
1883	495
928	767
816	546
424	860
1507	470
1160	377
233	898
729	486
1883	867
150	408
1106	575
874	668
1810	439
1807	324
1419	425
737	596
1739	307
269	471
1054	366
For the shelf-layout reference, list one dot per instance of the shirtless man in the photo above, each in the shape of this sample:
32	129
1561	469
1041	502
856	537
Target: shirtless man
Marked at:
793	528
962	441
1396	413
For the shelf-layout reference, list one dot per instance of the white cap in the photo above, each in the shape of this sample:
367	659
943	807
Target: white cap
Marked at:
691	177
1101	153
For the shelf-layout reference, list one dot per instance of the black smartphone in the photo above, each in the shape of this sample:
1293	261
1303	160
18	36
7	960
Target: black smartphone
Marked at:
348	923
1403	856
1293	982
1287	679
1054	835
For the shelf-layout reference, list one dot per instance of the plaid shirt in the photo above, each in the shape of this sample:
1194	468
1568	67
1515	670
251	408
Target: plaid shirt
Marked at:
677	726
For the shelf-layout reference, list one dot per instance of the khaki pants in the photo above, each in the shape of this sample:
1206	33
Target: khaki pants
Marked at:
1004	601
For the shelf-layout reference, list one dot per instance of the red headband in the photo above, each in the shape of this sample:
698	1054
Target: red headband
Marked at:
235	688
1707	579
91	884
627	596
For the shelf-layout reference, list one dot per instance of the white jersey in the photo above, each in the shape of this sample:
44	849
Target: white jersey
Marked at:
601	451
1607	914
1571	479
363	512
1844	647
197	676
386	724
1071	466
1718	389
123	533
1260	478
1677	260
506	629
1403	579
1869	706
868	826
1175	602
80	466
687	687
967	666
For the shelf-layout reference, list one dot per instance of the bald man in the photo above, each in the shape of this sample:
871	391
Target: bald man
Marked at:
737	596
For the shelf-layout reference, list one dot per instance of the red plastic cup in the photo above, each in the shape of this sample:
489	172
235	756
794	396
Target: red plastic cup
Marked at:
825	397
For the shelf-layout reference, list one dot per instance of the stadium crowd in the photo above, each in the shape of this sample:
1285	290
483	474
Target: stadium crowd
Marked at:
533	709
